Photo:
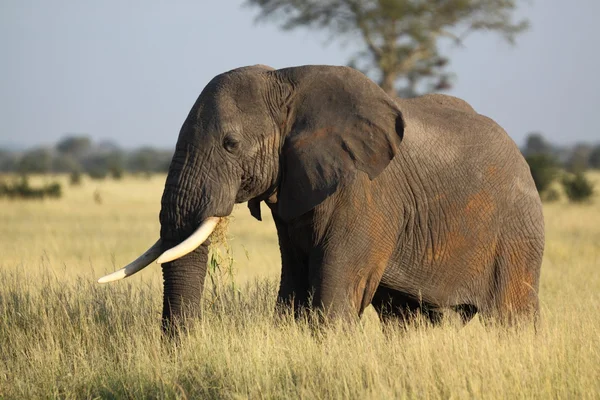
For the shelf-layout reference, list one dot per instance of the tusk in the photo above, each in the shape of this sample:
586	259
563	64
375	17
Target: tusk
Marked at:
139	264
191	243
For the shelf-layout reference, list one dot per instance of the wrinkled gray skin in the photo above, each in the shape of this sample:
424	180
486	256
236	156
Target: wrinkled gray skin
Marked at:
418	204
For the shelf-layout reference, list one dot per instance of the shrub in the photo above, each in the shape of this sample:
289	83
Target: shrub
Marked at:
3	189
551	195
22	190
97	173
577	187
53	190
543	170
75	178
116	172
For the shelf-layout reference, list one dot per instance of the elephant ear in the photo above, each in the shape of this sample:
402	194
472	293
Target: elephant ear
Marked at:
340	123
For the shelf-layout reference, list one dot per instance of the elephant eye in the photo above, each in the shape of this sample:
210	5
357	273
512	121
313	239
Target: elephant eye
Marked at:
230	143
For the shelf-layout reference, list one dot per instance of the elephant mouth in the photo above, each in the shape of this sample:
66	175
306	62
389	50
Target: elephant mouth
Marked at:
158	253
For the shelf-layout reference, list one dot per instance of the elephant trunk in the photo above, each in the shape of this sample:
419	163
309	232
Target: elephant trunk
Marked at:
184	207
183	278
192	205
183	287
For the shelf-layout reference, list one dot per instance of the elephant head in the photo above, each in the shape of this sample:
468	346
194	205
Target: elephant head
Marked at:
295	135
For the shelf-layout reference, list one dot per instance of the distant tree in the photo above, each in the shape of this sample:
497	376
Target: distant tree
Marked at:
8	161
37	161
97	173
66	163
149	160
579	158
107	146
163	161
535	143
116	164
544	169
75	146
96	165
400	37
77	155
99	165
143	160
578	188
594	160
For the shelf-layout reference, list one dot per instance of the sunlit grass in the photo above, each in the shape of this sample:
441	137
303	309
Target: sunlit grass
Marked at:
63	335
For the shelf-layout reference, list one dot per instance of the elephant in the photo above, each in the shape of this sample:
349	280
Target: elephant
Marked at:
410	205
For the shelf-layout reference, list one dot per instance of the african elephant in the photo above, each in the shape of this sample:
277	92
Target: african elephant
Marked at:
405	204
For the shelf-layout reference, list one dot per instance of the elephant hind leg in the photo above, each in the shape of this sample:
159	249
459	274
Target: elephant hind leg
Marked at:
515	282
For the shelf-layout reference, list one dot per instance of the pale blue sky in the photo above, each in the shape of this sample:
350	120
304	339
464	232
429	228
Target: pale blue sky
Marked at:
129	71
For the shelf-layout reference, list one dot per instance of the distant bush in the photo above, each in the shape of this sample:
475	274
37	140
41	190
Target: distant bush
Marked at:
36	161
577	187
22	190
65	163
543	170
75	178
550	195
98	174
54	189
116	172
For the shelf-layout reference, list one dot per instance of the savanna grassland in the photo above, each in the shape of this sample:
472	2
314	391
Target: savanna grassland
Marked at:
62	335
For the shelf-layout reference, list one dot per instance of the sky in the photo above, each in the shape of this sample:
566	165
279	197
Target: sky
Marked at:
129	71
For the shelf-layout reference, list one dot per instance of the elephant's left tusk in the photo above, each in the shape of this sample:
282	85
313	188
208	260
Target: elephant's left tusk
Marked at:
192	242
135	266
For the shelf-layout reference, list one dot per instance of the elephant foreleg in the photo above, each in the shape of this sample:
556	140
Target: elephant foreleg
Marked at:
345	284
294	291
354	248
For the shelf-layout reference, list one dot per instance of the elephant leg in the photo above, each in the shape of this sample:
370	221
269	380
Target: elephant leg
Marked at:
294	290
356	239
396	307
344	286
515	283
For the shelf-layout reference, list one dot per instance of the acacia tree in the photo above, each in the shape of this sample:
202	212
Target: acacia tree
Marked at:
74	145
400	37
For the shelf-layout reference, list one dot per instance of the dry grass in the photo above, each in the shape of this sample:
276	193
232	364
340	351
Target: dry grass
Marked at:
62	335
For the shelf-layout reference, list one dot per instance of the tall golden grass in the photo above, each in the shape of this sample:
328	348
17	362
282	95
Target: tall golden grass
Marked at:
62	335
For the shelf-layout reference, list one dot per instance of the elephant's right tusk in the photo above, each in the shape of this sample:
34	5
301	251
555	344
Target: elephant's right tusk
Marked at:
139	264
191	243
